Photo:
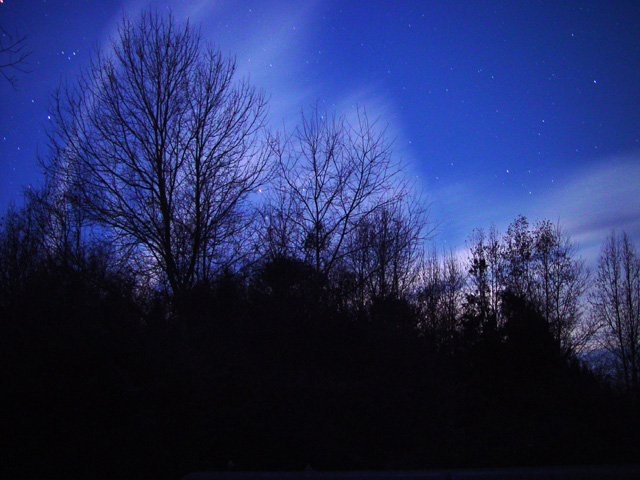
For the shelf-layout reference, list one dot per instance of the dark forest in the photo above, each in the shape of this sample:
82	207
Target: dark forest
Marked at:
189	290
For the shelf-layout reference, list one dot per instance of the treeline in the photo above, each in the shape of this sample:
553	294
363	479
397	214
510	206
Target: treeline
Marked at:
188	291
278	367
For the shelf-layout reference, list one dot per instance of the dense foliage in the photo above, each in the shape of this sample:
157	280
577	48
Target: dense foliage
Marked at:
270	370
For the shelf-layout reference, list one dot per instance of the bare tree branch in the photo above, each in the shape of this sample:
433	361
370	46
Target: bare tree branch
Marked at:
615	304
333	174
163	146
14	52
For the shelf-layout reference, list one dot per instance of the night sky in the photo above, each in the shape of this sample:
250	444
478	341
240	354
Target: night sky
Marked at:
498	108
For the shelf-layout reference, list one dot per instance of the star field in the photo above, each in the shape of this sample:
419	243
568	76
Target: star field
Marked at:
498	108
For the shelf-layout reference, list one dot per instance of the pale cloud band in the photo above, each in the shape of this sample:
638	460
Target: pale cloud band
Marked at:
598	200
589	204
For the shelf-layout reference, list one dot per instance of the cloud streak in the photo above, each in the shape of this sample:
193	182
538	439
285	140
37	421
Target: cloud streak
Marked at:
271	42
589	204
597	200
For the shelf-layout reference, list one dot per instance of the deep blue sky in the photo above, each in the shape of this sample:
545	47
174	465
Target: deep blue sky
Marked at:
499	108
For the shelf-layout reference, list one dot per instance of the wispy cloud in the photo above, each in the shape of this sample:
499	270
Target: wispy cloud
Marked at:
269	46
266	39
589	204
467	204
597	200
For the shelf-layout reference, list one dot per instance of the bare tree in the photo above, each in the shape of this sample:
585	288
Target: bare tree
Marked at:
277	235
21	248
486	281
335	174
396	235
13	56
382	253
616	304
431	292
440	296
561	281
517	253
161	144
537	264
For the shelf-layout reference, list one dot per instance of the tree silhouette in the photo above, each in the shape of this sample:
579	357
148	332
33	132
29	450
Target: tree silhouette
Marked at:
342	344
13	56
440	297
486	283
615	303
21	249
333	174
561	282
537	264
161	145
383	251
